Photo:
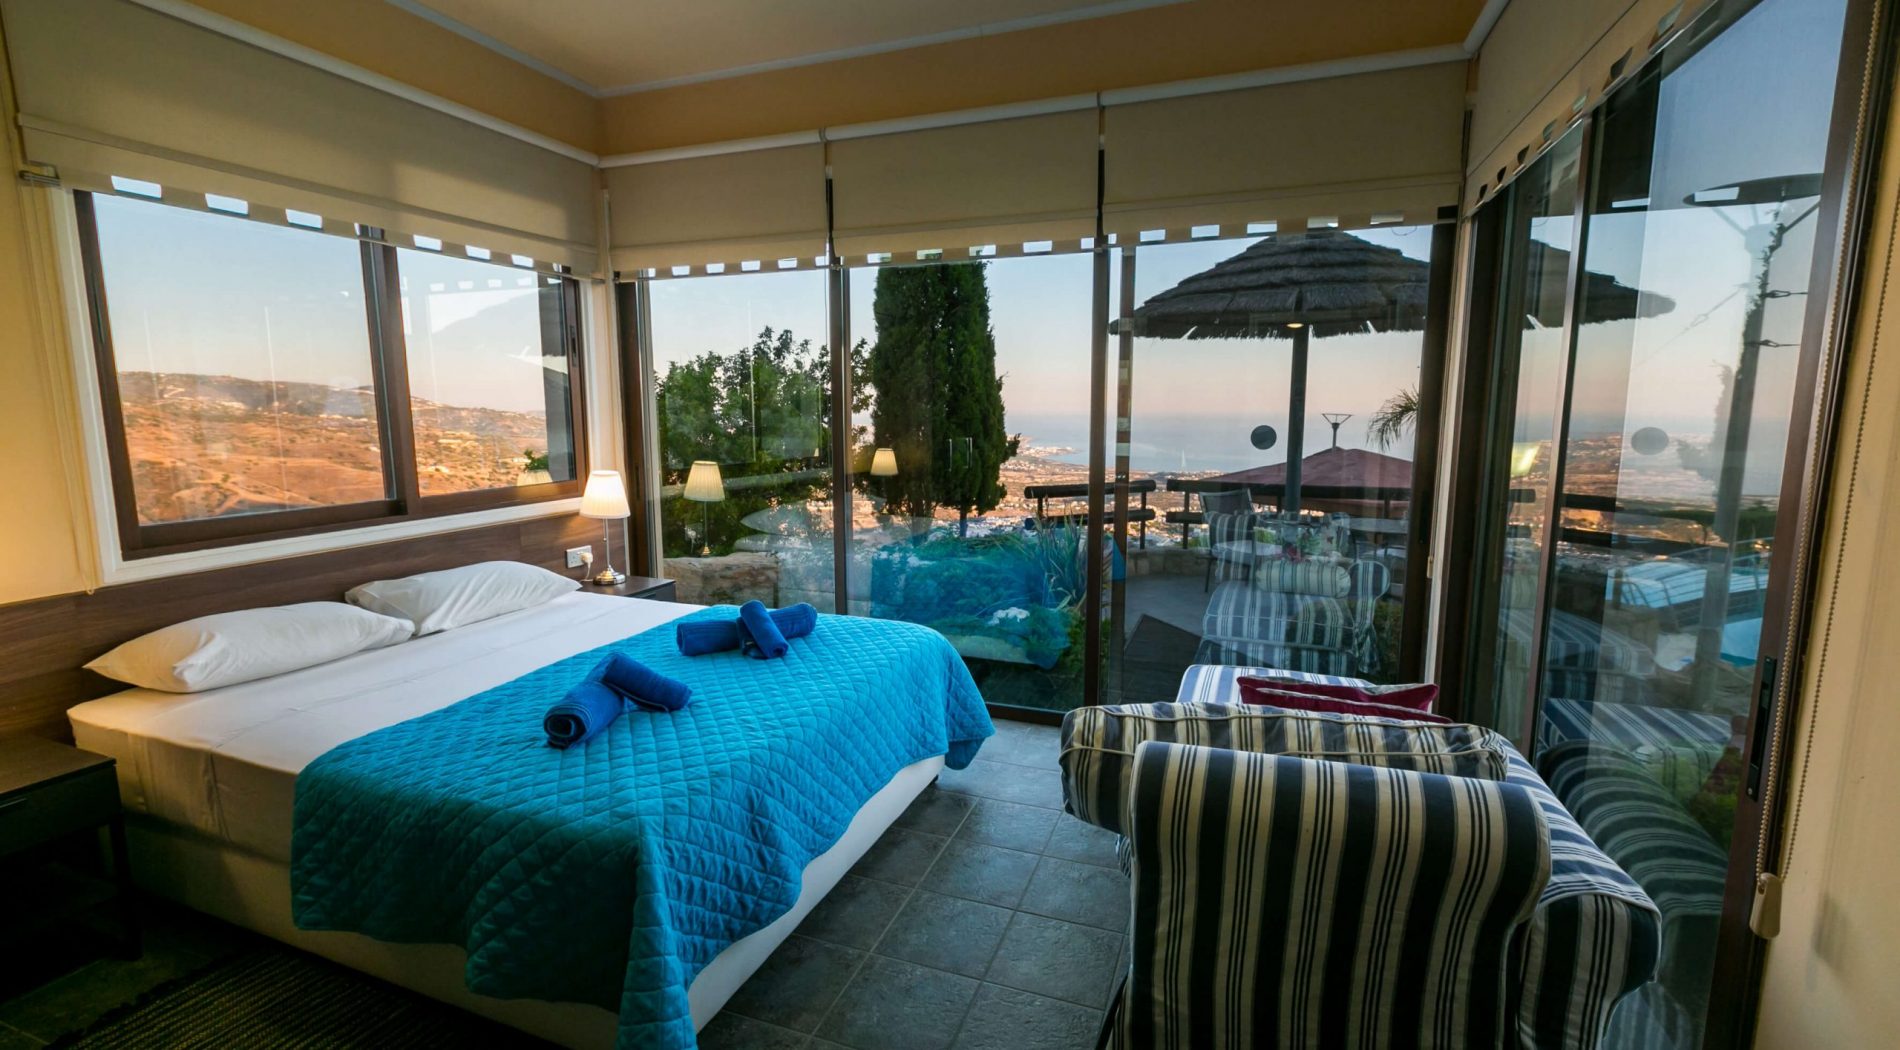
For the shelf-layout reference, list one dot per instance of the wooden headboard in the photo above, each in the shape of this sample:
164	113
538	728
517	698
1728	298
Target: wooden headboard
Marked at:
45	643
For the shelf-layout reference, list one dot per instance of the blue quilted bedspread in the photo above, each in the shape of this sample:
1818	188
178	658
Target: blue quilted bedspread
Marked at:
613	872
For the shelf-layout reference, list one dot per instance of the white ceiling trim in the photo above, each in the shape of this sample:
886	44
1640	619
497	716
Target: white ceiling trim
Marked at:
216	23
1120	96
1482	25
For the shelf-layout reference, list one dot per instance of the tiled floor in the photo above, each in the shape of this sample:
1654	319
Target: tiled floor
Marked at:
985	919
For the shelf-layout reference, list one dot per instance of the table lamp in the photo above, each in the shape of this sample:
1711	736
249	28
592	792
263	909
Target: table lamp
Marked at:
704	485
606	498
884	463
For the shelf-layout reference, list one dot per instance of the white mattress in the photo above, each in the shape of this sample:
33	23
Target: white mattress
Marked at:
224	762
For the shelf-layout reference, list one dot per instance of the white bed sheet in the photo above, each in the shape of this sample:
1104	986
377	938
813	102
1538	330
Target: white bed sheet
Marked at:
224	762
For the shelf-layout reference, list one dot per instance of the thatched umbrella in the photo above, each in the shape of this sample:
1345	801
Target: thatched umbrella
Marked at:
1326	282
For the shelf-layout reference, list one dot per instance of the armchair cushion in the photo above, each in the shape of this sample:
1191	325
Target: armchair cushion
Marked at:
1098	746
1288	903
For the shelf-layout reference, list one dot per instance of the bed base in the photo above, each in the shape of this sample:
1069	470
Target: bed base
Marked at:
253	891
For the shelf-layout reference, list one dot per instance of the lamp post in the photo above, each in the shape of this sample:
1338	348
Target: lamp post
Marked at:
705	486
605	498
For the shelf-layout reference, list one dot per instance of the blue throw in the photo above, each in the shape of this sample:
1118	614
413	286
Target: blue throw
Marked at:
642	684
587	709
612	874
759	637
699	637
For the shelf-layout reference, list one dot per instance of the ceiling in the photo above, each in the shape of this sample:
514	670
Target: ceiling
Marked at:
609	47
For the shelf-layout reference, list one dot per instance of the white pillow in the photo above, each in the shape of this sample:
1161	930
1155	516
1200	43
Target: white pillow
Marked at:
439	601
233	647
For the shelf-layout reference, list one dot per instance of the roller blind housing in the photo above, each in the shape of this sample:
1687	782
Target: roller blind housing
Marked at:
757	206
1352	150
107	87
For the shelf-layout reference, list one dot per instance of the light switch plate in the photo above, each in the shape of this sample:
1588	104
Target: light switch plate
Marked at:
579	556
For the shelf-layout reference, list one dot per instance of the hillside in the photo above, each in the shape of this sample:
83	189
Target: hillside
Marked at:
208	446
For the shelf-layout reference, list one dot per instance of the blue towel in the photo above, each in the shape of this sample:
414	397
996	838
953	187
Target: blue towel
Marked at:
586	711
700	637
759	636
642	684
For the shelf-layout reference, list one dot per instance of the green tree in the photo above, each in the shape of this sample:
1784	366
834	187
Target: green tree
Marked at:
939	403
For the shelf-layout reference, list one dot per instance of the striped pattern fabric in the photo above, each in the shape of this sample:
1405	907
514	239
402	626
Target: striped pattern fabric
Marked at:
1099	744
1294	903
1248	624
1595	936
1220	683
1583	660
1677	748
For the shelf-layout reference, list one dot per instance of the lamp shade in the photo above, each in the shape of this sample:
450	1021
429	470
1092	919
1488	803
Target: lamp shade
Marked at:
703	483
884	463
605	496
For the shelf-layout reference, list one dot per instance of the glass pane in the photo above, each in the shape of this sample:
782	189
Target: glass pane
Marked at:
1703	214
1250	563
488	374
741	369
971	454
243	360
1526	382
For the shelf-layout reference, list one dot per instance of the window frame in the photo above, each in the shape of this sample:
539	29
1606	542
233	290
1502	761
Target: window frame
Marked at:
394	419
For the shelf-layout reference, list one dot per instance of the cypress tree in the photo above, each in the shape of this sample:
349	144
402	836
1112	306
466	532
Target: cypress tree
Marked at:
939	403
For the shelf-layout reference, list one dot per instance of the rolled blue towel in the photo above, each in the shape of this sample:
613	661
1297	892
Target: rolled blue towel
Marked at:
642	684
700	637
586	711
759	636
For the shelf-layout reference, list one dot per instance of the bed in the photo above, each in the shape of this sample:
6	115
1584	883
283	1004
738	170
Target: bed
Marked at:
212	782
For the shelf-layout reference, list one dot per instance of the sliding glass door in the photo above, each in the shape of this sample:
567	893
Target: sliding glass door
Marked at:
1644	393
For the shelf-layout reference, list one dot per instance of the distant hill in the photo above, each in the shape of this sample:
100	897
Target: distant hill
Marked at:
213	445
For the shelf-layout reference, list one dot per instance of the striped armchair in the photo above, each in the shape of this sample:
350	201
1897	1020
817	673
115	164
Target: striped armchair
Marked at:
1287	902
1593	939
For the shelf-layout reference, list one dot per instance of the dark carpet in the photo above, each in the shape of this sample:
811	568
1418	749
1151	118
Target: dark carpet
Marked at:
276	998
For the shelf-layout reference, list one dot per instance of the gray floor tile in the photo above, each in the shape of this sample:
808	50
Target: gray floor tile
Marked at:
946	933
730	1031
889	1000
1077	840
855	912
1084	893
936	812
1023	744
900	856
977	872
797	984
1061	960
1006	1019
1025	784
1008	824
1121	970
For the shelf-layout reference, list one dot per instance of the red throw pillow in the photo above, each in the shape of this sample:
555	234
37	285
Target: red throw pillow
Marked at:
1419	696
1262	692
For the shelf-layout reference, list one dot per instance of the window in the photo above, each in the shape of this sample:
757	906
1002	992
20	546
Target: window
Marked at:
257	379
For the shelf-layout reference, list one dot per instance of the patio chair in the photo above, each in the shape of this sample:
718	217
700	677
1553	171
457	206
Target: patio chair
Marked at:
1230	519
1330	634
1234	952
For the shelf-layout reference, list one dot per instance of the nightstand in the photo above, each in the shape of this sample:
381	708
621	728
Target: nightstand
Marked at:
54	798
653	587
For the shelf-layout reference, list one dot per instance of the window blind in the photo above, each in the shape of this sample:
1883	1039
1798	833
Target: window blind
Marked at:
110	88
730	209
969	186
1354	150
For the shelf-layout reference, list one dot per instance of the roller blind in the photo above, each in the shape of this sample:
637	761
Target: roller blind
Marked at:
1001	183
762	205
1544	64
1349	151
107	87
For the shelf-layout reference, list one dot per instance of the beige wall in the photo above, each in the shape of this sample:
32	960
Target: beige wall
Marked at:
1833	975
43	520
1174	42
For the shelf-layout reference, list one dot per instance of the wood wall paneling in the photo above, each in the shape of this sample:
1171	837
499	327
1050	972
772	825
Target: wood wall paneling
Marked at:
45	643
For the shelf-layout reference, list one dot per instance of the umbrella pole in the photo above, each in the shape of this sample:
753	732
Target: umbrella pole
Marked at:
1296	424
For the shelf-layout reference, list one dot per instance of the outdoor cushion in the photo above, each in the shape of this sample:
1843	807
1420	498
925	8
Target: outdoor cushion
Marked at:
1328	579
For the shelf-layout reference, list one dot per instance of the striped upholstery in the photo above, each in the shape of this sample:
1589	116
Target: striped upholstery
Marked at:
1678	749
1099	744
1246	624
1219	682
1583	660
1293	903
1595	936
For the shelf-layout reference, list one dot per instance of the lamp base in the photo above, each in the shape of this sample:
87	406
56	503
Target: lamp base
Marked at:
609	578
